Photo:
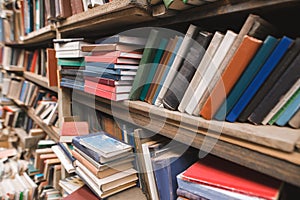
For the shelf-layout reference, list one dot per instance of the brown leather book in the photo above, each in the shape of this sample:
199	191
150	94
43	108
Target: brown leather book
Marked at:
163	62
82	193
231	74
77	6
51	67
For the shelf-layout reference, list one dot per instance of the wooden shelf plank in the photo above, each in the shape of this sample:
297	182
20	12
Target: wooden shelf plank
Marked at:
105	18
279	164
13	68
39	80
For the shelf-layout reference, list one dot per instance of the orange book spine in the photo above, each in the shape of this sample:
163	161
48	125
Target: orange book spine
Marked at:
233	71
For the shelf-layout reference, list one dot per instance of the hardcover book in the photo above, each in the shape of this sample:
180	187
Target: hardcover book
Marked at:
211	71
295	120
259	79
182	79
191	33
211	50
231	74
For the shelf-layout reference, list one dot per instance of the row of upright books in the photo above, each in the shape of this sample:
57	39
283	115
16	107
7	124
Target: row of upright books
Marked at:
249	76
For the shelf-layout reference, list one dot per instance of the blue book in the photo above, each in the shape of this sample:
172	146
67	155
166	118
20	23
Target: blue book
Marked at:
92	68
104	75
254	66
260	78
157	58
290	109
167	166
112	65
1	30
171	60
23	90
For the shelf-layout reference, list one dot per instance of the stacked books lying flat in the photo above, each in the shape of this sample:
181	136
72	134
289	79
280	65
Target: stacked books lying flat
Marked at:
247	76
104	163
111	66
70	58
214	178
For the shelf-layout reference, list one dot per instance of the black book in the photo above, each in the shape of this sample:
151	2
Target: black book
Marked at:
282	85
268	85
183	78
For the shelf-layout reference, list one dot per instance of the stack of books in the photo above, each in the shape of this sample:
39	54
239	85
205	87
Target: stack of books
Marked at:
105	164
70	58
111	66
215	178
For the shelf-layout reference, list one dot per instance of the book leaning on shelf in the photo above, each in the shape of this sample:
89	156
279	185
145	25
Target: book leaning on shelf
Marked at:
104	163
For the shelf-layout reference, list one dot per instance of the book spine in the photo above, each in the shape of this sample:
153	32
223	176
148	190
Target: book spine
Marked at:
259	79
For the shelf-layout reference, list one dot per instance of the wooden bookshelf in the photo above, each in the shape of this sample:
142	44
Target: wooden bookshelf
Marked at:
235	143
106	19
39	80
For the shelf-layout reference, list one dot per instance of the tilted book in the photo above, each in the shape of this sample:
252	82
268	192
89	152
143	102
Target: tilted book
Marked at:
295	120
201	69
259	79
211	71
191	33
231	74
254	66
256	111
182	79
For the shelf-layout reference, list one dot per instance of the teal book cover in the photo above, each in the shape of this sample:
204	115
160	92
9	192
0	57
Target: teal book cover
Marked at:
247	76
171	60
152	71
288	110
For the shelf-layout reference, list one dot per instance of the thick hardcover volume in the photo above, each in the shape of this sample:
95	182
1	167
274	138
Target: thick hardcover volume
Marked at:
290	109
257	108
281	87
259	79
211	70
182	51
295	120
160	69
82	193
210	52
255	65
147	58
153	68
231	74
182	79
223	174
165	73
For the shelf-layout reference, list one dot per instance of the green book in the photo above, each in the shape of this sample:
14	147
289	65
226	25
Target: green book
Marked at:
285	107
152	71
145	64
74	62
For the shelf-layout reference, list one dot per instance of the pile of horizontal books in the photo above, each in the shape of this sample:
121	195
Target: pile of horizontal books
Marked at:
105	164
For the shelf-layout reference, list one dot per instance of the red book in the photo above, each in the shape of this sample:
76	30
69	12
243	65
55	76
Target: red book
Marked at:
115	89
107	81
82	193
34	61
72	129
223	174
106	94
111	59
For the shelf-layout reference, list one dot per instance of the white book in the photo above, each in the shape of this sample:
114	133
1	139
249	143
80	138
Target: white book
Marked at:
70	54
74	45
184	48
282	102
210	52
68	165
7	56
211	71
6	85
